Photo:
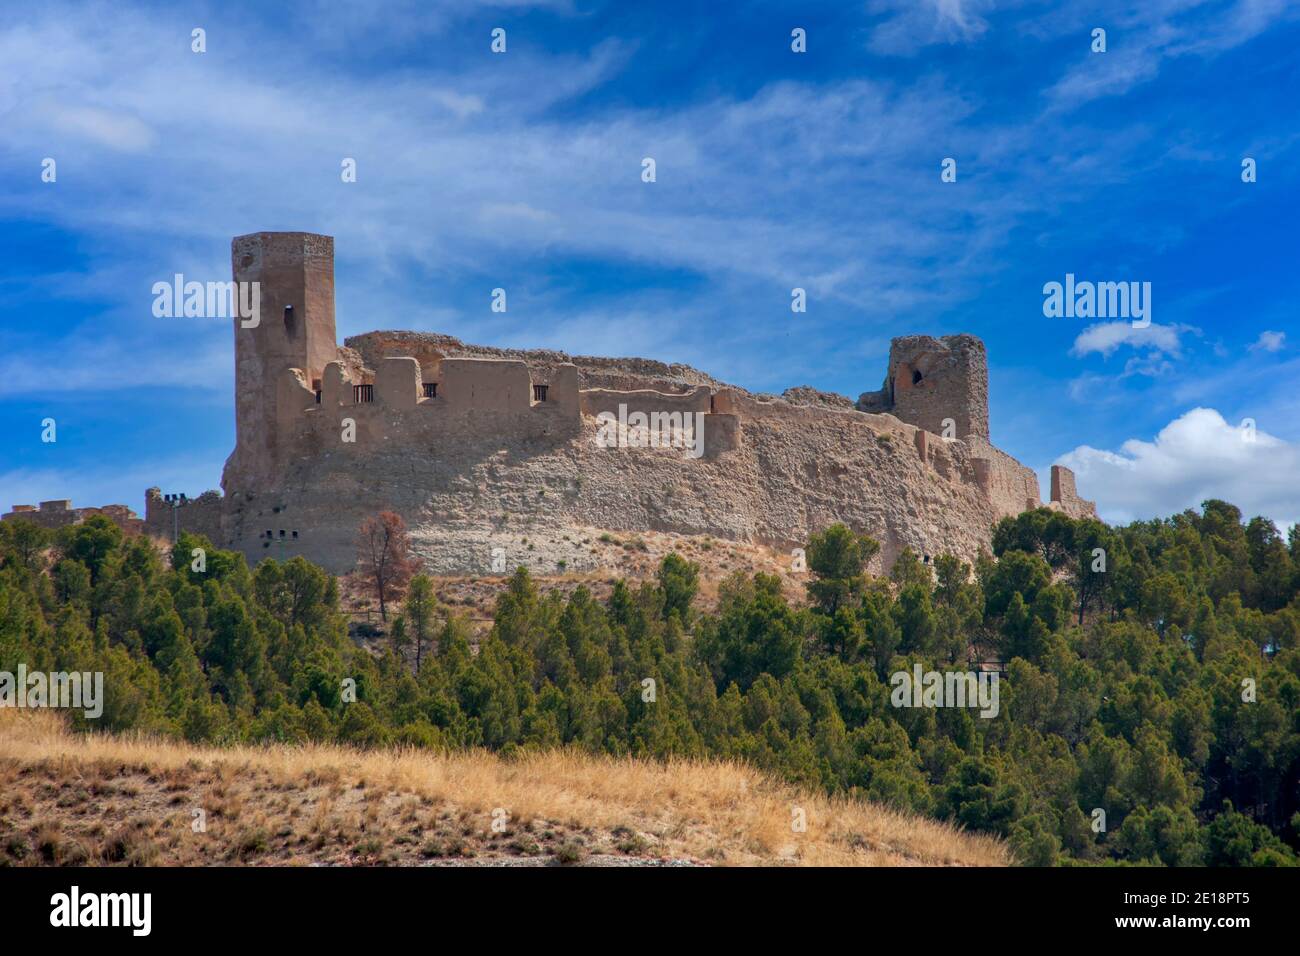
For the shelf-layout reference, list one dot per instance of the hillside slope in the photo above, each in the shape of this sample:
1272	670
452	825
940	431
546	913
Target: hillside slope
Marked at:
75	799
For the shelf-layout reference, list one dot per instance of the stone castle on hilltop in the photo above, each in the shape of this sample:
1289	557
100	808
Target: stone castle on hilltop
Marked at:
501	457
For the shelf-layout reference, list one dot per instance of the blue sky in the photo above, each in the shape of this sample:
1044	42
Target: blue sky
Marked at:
775	169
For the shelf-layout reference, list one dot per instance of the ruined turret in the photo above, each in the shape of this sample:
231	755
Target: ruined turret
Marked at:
939	384
293	274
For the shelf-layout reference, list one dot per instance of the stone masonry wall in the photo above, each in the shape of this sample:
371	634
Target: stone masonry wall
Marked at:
497	454
201	515
479	479
1065	497
59	513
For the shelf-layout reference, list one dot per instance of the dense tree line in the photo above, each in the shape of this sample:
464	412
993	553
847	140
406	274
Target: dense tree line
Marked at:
1150	708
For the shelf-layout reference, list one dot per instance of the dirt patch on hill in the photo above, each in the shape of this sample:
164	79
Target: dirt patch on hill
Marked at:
631	557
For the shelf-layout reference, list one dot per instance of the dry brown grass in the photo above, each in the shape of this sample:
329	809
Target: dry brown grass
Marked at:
68	798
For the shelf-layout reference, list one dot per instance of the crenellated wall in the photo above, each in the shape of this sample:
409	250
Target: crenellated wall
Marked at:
1010	486
498	394
486	450
59	513
202	515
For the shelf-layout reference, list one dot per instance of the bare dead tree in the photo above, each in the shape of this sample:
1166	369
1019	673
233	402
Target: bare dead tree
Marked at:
383	557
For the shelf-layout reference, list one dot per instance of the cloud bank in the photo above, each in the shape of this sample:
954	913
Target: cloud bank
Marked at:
1197	456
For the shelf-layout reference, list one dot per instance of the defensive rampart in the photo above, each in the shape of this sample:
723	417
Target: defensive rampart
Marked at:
497	457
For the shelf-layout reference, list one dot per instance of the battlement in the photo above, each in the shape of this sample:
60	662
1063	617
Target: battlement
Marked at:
59	513
462	439
166	516
406	401
452	386
938	384
401	403
258	252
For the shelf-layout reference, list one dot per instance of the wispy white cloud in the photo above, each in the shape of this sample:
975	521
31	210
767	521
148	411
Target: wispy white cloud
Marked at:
461	172
114	129
1105	338
83	363
1142	37
1269	342
911	25
488	168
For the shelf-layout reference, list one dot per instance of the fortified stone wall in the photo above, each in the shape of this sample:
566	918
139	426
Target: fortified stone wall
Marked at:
620	374
59	513
1065	497
495	455
788	471
202	515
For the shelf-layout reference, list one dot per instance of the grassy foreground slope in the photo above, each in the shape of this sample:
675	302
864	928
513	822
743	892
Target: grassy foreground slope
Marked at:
1149	710
68	798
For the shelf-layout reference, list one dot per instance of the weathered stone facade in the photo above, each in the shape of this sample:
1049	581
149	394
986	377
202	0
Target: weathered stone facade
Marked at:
59	513
941	385
165	518
1064	495
499	457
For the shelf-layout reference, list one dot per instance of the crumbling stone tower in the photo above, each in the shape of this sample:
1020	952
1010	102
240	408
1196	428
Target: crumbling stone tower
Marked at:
457	438
933	379
295	272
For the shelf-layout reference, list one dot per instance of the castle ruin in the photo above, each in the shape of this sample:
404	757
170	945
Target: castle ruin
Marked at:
500	457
